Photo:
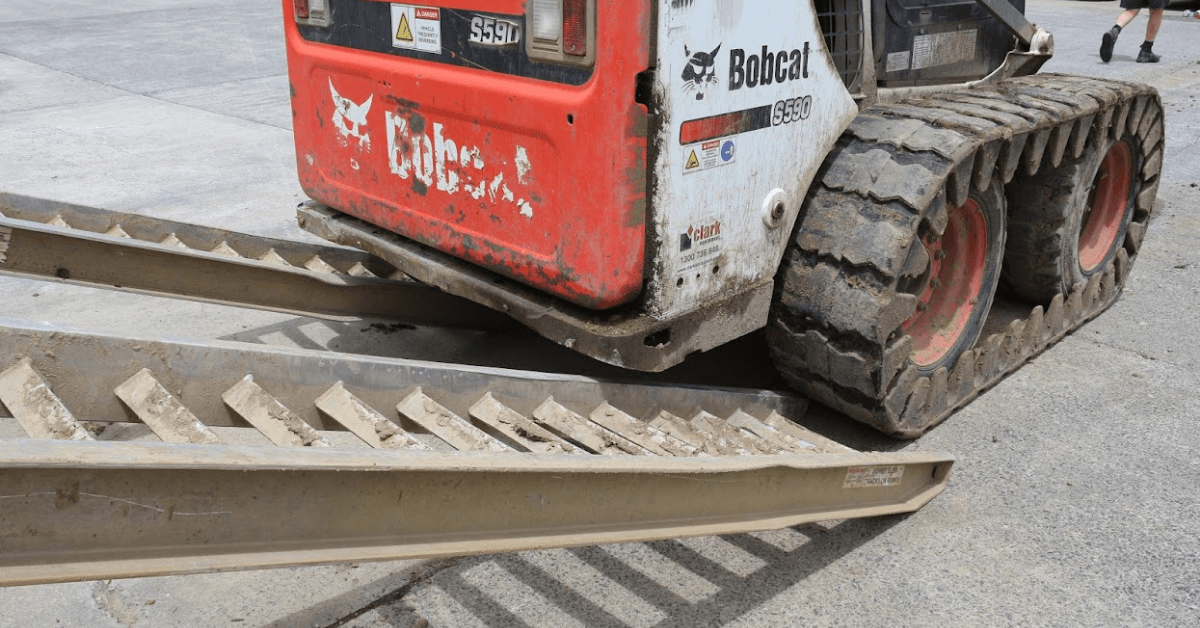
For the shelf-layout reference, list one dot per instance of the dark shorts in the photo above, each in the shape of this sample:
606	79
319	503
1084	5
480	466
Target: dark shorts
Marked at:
1144	4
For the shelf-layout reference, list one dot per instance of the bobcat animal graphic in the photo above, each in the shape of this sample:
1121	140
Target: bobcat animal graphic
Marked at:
350	118
699	71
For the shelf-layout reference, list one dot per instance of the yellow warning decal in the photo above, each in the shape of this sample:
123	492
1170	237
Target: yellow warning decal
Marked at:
692	162
403	32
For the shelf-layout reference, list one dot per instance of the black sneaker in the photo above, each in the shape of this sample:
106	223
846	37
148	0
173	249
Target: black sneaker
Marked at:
1145	56
1106	46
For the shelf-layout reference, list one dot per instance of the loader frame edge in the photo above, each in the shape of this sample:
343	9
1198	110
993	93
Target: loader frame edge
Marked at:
629	340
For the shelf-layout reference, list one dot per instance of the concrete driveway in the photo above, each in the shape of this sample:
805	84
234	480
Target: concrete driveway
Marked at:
1074	501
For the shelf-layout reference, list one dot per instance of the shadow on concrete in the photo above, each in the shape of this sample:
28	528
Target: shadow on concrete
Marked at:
735	595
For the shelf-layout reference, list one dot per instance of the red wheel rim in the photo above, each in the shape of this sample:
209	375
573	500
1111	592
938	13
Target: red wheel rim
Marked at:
958	262
1101	225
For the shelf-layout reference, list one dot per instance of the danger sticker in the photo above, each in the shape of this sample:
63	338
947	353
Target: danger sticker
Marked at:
417	28
710	154
873	477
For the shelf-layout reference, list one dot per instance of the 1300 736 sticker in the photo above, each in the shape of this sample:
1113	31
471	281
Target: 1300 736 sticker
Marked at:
417	28
873	477
699	244
709	154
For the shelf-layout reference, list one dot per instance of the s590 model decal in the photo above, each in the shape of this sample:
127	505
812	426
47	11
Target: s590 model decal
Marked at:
490	31
767	67
442	164
791	110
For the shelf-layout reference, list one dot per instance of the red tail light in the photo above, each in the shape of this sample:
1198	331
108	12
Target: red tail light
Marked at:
311	12
575	29
561	31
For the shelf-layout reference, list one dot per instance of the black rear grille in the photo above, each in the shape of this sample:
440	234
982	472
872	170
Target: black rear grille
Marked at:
841	23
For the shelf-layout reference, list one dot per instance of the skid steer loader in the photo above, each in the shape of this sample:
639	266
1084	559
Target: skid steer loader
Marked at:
642	180
888	188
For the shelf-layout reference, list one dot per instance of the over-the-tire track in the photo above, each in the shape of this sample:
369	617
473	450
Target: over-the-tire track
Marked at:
836	338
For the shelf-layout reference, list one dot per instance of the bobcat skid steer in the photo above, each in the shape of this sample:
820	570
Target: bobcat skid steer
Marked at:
639	180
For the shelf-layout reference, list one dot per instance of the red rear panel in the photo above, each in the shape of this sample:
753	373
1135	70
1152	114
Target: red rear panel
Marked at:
417	120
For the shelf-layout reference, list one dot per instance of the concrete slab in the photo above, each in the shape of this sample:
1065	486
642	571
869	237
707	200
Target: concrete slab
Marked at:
170	47
1072	502
285	598
261	100
26	87
36	10
140	154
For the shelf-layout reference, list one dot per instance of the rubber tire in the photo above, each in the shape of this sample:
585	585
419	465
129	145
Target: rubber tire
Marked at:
992	204
1045	218
841	366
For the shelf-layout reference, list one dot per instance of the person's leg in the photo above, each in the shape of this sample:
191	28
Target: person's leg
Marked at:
1123	20
1146	55
1110	38
1153	24
1127	16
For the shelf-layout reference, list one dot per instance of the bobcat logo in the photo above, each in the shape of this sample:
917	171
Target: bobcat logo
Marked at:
699	70
350	118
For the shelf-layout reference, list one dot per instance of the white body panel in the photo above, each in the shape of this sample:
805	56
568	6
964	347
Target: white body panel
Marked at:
712	200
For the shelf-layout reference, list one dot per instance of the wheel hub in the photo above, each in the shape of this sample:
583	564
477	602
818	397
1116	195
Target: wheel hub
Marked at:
957	264
1101	224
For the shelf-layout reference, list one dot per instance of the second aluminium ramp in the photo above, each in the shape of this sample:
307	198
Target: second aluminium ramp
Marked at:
343	457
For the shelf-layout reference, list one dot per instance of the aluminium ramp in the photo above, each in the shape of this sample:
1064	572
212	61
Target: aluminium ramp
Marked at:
246	456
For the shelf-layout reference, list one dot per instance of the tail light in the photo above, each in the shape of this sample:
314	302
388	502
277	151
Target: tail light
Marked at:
562	31
574	25
311	12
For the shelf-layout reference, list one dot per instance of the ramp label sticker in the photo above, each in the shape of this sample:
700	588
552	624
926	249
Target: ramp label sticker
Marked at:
417	28
873	477
710	154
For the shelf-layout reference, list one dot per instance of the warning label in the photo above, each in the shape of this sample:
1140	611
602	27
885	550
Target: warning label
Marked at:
873	477
710	154
417	28
943	48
